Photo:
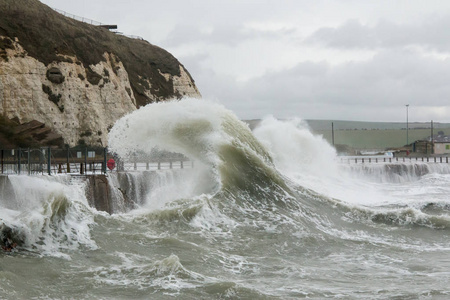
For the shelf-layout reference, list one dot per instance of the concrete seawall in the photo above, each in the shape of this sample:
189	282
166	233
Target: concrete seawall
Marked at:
98	192
113	193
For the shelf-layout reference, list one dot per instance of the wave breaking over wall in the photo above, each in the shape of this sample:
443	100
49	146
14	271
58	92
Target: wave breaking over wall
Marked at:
395	172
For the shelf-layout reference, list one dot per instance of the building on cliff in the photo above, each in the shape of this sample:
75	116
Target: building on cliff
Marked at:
76	78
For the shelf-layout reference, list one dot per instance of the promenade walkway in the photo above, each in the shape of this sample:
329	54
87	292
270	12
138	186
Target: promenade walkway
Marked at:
384	159
84	161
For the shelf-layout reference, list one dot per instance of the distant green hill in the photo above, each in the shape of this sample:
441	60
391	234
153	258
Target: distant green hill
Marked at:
345	125
377	139
375	135
371	135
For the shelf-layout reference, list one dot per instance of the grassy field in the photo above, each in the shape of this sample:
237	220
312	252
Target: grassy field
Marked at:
371	135
357	125
377	139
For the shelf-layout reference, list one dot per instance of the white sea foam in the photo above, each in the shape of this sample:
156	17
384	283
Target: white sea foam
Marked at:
47	214
311	162
190	126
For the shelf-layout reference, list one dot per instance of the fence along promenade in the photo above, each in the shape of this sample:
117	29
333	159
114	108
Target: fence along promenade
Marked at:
428	159
82	161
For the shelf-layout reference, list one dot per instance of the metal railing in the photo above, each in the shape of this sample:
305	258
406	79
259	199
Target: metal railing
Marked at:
82	161
92	22
428	159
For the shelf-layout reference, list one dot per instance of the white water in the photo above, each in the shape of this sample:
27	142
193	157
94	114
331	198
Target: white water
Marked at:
311	162
364	238
49	213
190	127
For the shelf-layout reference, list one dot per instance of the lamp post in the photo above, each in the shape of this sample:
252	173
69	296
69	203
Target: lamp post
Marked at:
407	141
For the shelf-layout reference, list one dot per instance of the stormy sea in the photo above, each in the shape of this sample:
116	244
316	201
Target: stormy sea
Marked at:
265	214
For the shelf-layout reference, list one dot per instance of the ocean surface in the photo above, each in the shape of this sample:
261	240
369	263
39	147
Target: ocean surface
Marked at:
268	214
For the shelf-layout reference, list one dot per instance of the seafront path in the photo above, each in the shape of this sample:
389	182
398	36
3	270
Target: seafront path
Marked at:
84	161
390	159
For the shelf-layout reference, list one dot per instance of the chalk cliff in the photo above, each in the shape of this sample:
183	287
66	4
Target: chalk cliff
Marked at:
76	78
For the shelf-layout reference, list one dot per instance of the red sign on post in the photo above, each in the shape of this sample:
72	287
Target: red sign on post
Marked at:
111	164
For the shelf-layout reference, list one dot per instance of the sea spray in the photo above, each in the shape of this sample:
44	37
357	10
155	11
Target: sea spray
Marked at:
154	189
310	162
48	214
295	149
395	172
205	132
186	127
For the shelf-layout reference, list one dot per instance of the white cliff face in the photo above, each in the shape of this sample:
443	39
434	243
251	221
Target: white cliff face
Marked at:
183	84
78	108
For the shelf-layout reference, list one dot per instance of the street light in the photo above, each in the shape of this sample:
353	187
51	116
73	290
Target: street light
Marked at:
407	105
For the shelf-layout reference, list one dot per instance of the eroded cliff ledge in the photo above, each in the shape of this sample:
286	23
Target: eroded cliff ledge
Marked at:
77	78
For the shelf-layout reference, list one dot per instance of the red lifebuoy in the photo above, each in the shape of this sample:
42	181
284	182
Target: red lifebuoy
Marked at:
111	164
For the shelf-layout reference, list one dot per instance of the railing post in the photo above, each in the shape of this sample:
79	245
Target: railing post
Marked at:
171	164
68	161
18	160
41	160
81	168
390	159
105	154
29	161
49	161
159	165
440	159
147	166
181	164
85	159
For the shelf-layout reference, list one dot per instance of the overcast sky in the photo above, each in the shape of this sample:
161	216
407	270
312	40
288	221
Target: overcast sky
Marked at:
321	59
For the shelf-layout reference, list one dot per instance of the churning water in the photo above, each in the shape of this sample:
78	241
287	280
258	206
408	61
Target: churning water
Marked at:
267	214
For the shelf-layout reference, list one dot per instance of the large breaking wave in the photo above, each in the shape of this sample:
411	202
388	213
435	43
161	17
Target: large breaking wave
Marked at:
279	167
279	178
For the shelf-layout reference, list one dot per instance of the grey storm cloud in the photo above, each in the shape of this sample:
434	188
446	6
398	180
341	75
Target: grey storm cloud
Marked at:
432	33
223	34
355	90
